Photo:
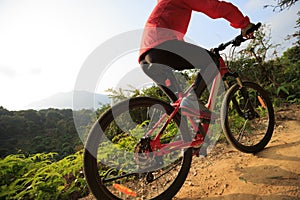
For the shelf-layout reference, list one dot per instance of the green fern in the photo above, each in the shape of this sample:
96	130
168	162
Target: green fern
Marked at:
41	177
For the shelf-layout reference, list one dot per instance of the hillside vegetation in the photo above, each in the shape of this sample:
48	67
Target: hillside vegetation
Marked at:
29	131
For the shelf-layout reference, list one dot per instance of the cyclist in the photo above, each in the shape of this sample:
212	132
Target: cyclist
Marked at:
163	48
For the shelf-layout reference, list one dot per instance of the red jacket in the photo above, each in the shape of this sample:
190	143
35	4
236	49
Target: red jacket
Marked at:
170	19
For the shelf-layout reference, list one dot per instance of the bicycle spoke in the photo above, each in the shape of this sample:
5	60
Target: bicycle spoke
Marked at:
242	131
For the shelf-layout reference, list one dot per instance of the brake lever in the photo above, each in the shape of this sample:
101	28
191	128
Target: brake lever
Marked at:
239	39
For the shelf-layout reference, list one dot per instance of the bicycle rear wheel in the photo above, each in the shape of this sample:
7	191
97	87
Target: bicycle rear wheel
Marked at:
247	117
118	160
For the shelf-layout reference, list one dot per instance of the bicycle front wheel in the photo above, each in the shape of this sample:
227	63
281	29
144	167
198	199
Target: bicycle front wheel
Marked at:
118	160
247	117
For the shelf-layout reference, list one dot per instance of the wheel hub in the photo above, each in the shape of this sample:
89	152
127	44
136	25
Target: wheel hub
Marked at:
143	153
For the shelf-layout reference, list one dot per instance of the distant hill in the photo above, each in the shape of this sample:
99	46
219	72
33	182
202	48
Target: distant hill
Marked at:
47	130
72	100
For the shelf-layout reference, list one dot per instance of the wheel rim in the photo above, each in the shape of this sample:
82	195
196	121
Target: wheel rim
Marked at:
248	125
121	167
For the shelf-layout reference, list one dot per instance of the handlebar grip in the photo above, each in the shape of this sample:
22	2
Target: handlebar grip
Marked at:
237	41
254	28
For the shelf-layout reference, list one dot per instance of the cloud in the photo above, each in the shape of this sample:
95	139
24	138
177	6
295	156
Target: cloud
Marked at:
8	72
35	71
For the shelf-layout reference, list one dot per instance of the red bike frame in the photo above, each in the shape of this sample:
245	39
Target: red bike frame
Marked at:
160	149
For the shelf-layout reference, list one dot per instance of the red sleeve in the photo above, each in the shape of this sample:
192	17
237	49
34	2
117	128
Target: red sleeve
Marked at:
219	9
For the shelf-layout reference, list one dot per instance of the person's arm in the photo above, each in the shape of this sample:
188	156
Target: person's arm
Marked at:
219	9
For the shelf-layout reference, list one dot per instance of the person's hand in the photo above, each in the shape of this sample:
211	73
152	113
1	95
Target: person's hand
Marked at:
246	33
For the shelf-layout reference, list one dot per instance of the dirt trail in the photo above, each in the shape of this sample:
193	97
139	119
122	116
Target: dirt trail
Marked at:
227	174
271	174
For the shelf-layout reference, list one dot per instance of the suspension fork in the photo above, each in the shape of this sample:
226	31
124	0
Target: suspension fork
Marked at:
239	82
245	94
224	71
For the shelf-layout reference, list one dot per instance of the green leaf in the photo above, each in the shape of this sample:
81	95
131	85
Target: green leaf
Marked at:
283	89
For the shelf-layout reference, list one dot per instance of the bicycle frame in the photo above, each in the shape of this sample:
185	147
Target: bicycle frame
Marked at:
199	139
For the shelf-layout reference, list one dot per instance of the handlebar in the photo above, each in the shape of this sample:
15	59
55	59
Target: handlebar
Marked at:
238	40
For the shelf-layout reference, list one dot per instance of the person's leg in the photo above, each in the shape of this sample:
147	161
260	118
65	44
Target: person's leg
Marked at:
180	55
159	65
188	56
163	76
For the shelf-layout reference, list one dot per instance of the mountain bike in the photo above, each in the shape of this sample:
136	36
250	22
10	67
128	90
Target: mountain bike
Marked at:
142	148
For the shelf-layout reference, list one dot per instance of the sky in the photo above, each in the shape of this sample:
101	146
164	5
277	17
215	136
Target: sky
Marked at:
45	43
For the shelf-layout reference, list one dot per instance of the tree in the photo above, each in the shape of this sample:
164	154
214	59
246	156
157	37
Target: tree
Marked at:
261	45
290	72
297	33
282	4
4	111
251	61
